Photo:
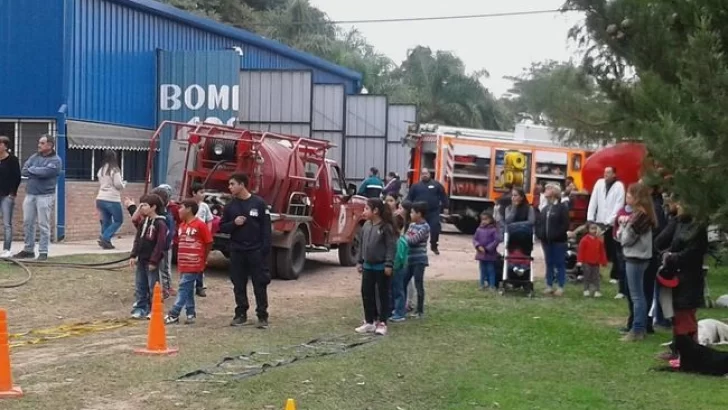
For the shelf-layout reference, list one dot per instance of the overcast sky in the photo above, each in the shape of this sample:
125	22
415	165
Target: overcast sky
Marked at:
502	45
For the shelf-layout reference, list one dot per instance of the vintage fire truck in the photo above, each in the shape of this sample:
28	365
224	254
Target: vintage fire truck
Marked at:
475	166
312	208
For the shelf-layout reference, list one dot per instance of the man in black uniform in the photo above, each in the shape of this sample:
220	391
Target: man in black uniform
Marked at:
247	219
433	194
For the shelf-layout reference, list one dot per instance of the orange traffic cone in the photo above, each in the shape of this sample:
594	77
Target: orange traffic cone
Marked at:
290	404
7	390
157	336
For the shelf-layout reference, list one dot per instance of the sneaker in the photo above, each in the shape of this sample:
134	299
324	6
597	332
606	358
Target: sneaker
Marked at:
239	321
397	318
619	296
201	292
559	292
366	328
417	315
613	281
171	320
105	244
548	291
42	257
190	319
587	293
435	250
633	337
262	324
24	255
597	294
137	314
149	316
6	254
381	329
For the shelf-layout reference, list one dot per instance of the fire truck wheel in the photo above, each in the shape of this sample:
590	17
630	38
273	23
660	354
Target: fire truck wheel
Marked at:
467	225
348	251
290	261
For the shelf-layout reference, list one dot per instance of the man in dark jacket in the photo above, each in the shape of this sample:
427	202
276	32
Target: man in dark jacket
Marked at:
433	194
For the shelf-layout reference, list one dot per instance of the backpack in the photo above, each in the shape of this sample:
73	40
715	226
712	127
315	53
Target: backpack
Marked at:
400	258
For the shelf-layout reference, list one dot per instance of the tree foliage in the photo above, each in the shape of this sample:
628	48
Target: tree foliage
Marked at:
664	68
436	81
562	96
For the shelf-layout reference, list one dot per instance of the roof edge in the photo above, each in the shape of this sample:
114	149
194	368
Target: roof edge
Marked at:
212	26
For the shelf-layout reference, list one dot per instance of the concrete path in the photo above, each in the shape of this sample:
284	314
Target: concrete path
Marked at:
81	247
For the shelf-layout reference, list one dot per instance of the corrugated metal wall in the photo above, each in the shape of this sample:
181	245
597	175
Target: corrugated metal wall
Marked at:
398	118
366	135
278	101
114	53
31	40
328	117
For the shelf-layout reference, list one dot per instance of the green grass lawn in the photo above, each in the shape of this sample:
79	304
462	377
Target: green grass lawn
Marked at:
474	350
479	352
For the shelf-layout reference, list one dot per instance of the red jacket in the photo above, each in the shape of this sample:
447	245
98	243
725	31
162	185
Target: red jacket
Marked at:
592	251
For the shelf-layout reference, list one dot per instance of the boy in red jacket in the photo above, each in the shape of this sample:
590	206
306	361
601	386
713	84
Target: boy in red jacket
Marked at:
591	255
195	243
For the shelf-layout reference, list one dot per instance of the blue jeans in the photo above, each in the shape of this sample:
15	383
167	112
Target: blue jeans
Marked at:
635	273
144	286
487	273
416	271
399	292
111	218
37	208
7	203
555	255
185	295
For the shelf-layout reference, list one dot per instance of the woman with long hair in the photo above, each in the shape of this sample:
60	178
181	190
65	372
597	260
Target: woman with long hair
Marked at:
634	233
108	200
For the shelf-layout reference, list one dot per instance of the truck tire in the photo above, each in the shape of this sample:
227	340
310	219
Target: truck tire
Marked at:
467	225
348	251
291	261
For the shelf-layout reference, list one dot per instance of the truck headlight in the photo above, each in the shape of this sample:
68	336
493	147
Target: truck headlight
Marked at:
218	149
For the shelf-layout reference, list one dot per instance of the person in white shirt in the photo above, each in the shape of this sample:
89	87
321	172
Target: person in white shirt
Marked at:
606	200
205	215
108	200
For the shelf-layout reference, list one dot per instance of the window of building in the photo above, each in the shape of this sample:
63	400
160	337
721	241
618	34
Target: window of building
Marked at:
83	164
7	129
27	140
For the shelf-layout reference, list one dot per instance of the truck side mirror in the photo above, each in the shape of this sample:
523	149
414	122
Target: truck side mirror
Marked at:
351	189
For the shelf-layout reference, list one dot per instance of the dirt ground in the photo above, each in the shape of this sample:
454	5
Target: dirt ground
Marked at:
56	297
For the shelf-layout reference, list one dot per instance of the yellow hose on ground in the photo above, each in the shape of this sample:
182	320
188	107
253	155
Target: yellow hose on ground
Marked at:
38	336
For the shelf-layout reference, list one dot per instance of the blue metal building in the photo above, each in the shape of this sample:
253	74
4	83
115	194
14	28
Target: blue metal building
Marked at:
101	74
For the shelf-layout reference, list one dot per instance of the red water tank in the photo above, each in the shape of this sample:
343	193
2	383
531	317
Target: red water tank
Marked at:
626	157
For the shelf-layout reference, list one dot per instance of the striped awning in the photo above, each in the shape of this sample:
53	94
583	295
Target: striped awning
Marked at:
91	135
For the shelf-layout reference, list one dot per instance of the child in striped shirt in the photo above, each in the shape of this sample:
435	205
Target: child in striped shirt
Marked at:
417	236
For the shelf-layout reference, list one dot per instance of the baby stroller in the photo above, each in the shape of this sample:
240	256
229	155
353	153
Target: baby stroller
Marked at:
517	270
573	270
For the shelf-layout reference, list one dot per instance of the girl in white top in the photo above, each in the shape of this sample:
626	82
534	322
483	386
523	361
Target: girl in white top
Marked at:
108	200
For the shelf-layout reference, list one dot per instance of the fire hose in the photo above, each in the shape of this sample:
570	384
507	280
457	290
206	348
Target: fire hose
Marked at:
114	265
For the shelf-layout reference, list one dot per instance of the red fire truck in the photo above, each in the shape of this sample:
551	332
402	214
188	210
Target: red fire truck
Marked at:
312	208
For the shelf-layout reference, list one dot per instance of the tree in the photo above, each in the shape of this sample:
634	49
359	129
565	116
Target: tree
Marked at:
663	65
562	96
437	82
446	94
